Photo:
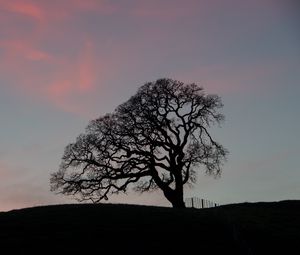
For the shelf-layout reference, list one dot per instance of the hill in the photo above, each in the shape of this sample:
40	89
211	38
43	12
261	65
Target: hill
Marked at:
248	228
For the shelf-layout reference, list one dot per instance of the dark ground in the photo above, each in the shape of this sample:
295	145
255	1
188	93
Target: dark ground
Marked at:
249	228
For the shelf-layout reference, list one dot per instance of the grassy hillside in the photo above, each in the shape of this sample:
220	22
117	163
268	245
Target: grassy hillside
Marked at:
258	228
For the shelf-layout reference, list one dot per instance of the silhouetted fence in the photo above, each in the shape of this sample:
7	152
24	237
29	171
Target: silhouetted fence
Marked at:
195	202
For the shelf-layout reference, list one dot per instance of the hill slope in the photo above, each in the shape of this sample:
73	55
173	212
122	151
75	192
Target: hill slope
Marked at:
250	228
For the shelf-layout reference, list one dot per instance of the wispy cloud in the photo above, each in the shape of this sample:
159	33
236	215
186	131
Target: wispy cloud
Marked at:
31	58
25	8
73	78
23	49
57	62
52	77
87	72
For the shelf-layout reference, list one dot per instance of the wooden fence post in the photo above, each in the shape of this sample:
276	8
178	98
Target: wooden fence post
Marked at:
199	203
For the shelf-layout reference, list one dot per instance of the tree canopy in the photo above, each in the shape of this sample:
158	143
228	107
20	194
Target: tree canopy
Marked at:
158	139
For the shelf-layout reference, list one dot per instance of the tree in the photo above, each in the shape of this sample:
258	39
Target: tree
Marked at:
158	139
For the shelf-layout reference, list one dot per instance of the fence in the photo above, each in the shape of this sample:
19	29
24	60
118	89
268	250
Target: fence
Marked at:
195	202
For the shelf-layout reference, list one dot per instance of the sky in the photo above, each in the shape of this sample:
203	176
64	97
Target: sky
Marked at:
66	62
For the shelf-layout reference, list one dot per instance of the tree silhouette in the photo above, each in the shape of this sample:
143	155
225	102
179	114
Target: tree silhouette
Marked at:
158	139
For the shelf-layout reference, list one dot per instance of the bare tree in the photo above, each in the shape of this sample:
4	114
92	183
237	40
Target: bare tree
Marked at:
158	139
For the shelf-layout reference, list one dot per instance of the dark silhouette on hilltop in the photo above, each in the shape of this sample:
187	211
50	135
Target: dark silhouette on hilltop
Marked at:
156	140
238	229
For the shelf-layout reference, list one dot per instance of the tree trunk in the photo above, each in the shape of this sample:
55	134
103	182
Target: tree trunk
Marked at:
175	197
178	203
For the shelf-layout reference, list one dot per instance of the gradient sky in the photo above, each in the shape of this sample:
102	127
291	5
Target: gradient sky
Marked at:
65	62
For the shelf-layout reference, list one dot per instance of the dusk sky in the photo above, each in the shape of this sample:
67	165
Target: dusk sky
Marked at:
65	62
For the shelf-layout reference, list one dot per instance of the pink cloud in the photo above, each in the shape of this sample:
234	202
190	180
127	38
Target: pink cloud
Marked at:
87	70
23	49
45	12
72	78
66	78
31	69
25	8
59	88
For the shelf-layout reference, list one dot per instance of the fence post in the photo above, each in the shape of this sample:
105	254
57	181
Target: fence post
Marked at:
199	203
